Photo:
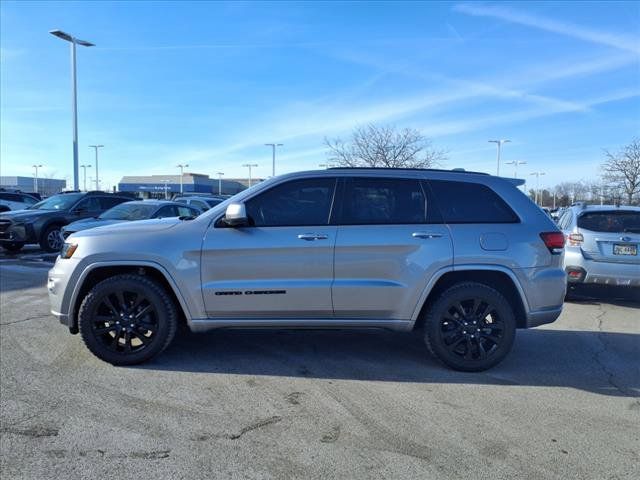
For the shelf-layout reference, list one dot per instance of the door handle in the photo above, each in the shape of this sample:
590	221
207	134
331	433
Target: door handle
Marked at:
426	235
312	236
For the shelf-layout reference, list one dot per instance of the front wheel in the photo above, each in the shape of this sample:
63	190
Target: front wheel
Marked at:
51	239
127	319
13	247
471	327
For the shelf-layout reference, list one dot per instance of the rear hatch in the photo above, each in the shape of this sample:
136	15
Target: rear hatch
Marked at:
611	235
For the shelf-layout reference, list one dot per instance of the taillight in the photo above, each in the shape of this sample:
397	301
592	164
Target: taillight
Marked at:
553	240
575	239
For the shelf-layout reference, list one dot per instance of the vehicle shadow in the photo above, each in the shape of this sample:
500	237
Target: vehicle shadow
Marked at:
603	363
596	294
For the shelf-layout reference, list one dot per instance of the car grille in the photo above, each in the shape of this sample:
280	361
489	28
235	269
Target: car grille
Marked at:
4	225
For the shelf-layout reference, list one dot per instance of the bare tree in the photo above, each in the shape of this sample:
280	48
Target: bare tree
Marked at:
384	146
622	169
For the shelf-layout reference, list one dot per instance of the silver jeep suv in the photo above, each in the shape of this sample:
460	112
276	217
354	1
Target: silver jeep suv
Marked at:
464	258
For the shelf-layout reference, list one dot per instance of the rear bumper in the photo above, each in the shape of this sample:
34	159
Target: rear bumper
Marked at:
541	317
602	273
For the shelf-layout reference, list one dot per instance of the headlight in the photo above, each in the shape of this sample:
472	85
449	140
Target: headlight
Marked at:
68	249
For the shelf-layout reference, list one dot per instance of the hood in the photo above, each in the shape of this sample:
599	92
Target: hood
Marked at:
130	228
89	223
22	215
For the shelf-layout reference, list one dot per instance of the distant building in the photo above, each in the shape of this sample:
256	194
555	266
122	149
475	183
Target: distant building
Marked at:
46	186
157	186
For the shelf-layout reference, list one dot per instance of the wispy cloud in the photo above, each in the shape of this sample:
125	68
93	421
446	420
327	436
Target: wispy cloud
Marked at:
621	42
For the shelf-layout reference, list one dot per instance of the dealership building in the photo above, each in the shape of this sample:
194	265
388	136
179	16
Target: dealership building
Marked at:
161	186
46	186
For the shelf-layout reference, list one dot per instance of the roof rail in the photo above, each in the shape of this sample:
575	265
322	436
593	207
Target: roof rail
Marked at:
455	170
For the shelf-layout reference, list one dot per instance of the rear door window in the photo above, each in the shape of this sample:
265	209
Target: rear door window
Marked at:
383	201
467	202
619	221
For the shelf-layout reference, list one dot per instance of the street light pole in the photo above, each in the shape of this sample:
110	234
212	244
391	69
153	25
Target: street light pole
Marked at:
250	165
74	95
182	167
273	157
166	187
220	174
499	143
537	174
515	164
84	175
35	178
96	147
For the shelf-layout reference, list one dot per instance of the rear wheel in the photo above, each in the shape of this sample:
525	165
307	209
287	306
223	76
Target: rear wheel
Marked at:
127	319
51	239
471	327
13	247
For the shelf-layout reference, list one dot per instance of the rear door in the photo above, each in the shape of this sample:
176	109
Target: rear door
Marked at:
611	235
281	265
389	244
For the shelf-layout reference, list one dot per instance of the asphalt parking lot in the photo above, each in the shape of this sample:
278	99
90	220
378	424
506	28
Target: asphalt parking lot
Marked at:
318	404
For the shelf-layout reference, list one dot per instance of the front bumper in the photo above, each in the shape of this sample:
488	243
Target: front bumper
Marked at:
602	273
59	295
20	233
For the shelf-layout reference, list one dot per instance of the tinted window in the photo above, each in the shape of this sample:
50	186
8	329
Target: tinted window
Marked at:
465	202
187	211
612	222
201	204
181	200
295	203
129	211
166	212
380	201
109	202
213	203
10	197
91	204
28	200
58	202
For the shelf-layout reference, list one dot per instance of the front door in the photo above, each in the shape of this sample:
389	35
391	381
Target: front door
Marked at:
281	265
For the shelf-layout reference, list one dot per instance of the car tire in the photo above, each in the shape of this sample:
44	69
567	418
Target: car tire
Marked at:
13	247
127	319
471	327
48	241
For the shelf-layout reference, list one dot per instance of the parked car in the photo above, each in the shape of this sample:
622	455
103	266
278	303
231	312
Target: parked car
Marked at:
464	258
42	222
603	244
201	202
130	211
16	201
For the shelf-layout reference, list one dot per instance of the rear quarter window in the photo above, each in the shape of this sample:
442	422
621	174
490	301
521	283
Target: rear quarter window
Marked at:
621	221
466	202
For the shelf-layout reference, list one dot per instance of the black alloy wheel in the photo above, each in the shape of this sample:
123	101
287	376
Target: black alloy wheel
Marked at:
127	319
471	327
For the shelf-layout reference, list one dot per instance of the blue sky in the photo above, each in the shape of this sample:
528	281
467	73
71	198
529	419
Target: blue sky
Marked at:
209	83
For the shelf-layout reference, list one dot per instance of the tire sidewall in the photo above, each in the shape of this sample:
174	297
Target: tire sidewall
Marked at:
44	240
433	333
165	311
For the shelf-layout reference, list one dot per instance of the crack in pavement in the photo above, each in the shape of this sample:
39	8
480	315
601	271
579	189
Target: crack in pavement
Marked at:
611	376
25	319
254	426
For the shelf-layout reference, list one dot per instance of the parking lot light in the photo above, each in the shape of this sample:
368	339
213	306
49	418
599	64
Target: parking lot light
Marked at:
250	165
35	178
181	167
74	96
499	143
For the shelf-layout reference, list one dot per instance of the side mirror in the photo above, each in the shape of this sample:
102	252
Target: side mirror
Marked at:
236	215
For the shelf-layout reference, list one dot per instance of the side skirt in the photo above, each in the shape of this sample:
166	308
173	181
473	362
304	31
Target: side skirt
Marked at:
202	325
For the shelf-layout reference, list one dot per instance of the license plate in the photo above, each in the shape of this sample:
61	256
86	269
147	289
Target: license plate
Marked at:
625	249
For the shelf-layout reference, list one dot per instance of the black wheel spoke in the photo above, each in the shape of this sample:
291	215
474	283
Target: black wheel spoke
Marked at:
482	353
127	341
109	305
104	318
144	311
105	329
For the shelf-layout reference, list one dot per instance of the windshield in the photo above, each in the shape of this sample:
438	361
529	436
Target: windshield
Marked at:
622	221
57	202
129	211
